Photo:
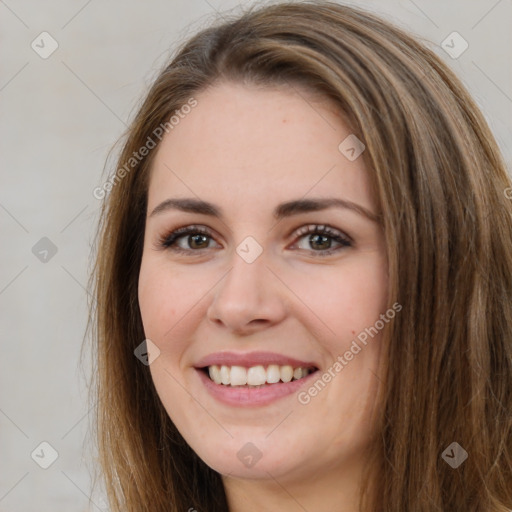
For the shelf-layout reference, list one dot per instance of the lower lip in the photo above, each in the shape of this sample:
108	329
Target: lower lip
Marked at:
242	396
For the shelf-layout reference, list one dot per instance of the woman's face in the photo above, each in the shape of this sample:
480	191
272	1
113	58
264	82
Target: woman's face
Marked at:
254	292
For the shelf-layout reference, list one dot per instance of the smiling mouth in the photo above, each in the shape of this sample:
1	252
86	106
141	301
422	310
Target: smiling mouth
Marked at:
256	376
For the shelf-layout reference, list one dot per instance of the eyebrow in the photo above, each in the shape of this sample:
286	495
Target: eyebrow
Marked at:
297	206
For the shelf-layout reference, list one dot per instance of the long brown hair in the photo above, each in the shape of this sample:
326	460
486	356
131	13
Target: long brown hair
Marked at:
440	183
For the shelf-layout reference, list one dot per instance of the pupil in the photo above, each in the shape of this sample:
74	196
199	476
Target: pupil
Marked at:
314	239
197	238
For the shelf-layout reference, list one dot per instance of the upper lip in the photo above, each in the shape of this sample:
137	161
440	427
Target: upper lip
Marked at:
249	359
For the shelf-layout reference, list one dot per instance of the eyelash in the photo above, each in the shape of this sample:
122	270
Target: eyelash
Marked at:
169	240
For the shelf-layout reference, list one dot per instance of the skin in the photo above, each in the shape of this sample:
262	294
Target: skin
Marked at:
247	149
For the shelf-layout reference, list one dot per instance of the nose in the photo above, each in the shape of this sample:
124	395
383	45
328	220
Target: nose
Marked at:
248	299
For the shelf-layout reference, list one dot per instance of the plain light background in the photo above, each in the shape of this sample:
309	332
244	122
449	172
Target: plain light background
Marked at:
59	118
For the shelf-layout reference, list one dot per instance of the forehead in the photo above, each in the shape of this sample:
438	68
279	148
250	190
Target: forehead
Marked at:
246	146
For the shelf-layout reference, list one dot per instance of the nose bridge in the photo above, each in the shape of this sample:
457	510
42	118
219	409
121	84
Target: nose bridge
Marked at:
245	281
246	293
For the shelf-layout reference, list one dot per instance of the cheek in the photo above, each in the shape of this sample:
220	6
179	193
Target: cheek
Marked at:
160	300
349	297
363	291
170	305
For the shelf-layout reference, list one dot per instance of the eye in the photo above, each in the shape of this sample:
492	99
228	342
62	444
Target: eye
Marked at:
187	239
319	239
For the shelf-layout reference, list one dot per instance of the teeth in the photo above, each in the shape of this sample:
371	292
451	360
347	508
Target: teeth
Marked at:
255	375
238	376
273	374
286	373
224	375
215	374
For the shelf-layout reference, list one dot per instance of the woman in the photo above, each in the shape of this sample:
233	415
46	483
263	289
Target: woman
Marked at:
303	279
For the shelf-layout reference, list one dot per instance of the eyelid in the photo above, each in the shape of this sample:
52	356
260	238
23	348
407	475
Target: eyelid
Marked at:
170	237
320	228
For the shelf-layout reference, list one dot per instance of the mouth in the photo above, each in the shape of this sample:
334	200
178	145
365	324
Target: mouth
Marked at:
253	379
258	376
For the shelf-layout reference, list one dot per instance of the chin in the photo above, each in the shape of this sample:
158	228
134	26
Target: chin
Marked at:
249	457
258	469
